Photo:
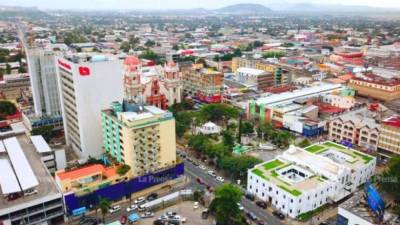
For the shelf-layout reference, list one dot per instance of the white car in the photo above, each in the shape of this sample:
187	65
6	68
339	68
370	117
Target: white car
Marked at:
139	200
220	179
195	205
147	214
31	192
211	173
141	208
202	167
241	208
180	218
131	208
114	209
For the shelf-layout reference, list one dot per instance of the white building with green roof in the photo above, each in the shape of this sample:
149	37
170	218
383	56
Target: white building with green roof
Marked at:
302	180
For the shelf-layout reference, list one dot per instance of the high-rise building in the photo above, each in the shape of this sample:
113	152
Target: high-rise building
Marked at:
142	137
42	70
88	83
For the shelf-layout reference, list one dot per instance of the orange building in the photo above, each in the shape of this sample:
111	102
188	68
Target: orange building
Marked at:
86	179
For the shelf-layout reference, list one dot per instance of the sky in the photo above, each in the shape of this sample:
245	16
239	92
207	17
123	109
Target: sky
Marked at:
176	4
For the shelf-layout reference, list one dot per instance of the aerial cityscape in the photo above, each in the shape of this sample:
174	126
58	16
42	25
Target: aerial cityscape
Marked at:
226	112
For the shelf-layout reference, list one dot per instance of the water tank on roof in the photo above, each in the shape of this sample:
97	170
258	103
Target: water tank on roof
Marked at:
98	58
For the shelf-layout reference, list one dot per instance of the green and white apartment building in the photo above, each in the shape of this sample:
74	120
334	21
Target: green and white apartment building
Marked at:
142	137
302	180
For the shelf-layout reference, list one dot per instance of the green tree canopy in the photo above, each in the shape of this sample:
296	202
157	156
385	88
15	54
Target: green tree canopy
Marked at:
217	112
7	108
225	205
390	181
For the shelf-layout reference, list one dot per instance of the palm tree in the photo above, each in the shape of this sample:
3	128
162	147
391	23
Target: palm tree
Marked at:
104	205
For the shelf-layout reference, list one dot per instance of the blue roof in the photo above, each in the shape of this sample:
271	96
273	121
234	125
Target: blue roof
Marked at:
133	217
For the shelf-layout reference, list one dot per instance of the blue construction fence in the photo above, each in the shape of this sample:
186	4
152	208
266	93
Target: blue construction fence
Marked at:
122	189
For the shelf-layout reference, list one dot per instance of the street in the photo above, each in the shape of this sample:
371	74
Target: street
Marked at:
194	172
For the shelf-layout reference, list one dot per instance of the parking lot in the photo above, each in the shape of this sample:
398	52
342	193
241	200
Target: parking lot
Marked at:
184	209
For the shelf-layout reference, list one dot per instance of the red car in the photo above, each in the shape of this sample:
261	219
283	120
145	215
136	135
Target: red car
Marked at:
123	219
200	181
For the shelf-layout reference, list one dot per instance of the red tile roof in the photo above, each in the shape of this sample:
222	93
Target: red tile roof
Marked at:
393	121
81	172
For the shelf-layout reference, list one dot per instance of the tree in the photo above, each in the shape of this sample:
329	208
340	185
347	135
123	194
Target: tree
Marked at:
215	112
273	54
175	47
304	143
236	166
7	108
104	205
198	195
125	46
247	128
122	170
199	142
228	139
8	68
225	205
45	131
149	43
391	177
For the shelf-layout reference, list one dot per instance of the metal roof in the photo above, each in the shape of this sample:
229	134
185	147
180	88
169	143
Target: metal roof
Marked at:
2	148
40	144
22	168
8	180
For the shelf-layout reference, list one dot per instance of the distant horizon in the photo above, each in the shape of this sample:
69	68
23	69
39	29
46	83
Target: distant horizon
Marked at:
182	5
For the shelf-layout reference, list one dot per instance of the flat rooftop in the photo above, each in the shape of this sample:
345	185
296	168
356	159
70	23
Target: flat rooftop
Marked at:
299	93
299	170
47	188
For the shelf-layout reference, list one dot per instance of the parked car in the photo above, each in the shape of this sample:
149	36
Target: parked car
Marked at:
202	167
261	204
221	179
170	213
139	200
123	219
30	192
260	222
195	205
195	163
204	214
211	173
199	180
180	218
279	215
152	196
158	222
251	216
14	196
141	208
147	214
241	208
250	196
131	208
114	209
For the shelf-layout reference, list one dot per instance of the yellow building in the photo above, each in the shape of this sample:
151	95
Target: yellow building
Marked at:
389	138
376	87
142	137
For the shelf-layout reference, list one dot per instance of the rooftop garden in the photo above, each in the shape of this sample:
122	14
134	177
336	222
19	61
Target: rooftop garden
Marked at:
272	164
315	148
319	148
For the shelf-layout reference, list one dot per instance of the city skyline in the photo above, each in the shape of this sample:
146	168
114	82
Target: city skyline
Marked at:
179	4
